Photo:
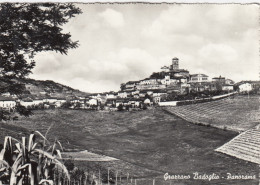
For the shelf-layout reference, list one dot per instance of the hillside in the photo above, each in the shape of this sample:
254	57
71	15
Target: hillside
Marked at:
147	143
48	87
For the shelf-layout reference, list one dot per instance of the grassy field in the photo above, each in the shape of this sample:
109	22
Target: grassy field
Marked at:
148	143
239	113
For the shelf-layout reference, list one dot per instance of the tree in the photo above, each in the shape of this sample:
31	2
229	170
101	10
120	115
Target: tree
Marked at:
218	86
25	30
120	107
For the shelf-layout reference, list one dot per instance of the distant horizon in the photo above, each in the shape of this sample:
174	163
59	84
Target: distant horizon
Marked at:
128	42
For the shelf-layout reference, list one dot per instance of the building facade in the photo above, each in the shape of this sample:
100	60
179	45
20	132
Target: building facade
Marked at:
198	78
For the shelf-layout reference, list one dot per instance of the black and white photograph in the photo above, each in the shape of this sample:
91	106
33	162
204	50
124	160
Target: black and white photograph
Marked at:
129	93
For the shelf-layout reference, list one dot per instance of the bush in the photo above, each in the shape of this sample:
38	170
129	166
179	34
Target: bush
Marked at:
66	105
4	115
27	161
22	110
120	107
144	106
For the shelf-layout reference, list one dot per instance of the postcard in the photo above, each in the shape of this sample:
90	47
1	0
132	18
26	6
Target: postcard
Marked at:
129	93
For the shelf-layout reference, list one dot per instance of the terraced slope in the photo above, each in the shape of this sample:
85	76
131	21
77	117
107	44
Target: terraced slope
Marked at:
239	114
245	146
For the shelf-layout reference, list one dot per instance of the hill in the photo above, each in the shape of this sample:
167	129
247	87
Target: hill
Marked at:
147	143
47	87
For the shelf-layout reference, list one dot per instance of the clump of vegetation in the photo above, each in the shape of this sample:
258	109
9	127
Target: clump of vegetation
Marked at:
30	162
120	107
27	29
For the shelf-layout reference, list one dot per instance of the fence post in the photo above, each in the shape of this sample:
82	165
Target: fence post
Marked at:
99	180
116	177
108	176
127	177
135	182
153	181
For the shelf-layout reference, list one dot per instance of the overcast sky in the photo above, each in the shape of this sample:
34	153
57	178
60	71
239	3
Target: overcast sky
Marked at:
122	42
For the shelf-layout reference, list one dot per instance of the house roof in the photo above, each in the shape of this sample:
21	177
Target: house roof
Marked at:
4	98
132	82
165	67
27	99
248	81
194	75
153	90
220	77
228	85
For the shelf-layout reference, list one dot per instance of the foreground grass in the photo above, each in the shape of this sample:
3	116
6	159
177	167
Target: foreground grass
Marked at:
148	143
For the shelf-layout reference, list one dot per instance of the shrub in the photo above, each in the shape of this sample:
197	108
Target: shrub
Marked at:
120	107
66	105
22	110
27	161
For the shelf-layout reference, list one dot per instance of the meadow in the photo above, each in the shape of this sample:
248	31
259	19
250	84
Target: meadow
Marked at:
147	143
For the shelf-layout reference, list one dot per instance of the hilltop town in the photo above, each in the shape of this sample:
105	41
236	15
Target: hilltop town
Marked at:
169	84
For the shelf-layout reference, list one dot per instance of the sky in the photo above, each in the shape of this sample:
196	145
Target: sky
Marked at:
123	42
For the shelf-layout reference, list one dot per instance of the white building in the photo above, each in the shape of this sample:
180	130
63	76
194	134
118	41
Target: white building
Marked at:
110	95
50	100
227	87
229	82
27	102
38	101
168	81
198	78
149	81
122	94
147	101
245	87
93	102
7	102
59	102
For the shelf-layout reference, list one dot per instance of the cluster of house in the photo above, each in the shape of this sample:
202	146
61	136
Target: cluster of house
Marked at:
106	100
248	86
171	78
136	93
8	101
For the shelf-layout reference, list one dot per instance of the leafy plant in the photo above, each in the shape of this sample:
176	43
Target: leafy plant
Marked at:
27	161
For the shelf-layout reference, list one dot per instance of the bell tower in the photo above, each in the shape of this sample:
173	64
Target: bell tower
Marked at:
175	63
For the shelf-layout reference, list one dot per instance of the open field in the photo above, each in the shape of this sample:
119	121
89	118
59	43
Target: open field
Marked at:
148	143
239	113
